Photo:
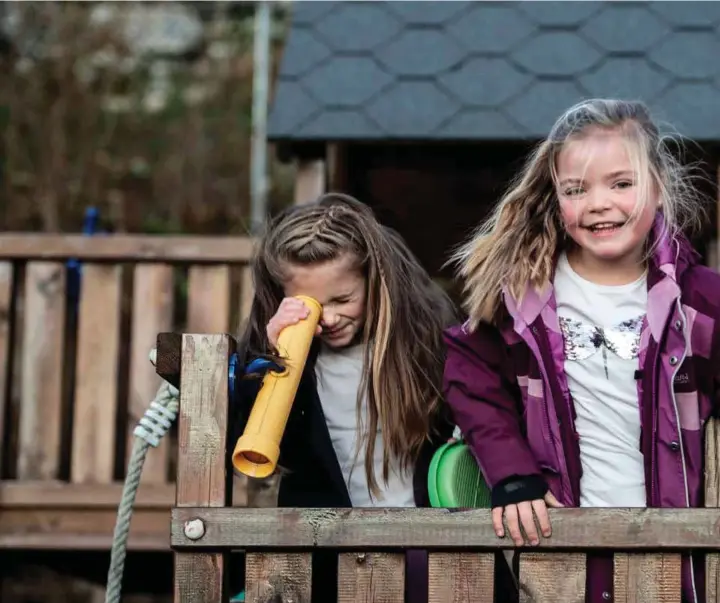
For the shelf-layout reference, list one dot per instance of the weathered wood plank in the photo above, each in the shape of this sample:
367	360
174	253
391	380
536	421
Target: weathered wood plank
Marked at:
461	577
6	292
309	180
199	578
647	578
247	293
208	299
271	577
167	363
376	577
630	529
201	472
203	419
209	312
552	577
47	494
96	381
42	369
712	500
123	247
152	313
88	528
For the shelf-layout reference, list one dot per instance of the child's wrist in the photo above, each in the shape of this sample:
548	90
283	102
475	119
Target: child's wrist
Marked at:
517	489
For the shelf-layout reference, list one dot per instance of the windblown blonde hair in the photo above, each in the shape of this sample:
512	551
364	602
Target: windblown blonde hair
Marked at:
518	244
406	313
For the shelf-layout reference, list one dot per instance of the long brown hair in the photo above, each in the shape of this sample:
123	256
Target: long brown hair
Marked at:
405	315
518	245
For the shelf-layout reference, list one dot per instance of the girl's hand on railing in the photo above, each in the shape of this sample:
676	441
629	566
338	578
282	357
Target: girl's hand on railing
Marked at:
524	514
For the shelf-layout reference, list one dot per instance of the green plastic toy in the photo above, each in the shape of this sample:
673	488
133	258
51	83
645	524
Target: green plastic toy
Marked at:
455	480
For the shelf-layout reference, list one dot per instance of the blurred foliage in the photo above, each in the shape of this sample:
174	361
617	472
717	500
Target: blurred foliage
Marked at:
136	108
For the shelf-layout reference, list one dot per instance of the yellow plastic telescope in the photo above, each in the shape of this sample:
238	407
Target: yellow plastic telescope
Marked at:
258	448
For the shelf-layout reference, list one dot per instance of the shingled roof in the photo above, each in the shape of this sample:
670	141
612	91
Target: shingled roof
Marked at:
491	70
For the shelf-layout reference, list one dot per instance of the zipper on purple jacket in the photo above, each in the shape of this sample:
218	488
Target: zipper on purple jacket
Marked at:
548	383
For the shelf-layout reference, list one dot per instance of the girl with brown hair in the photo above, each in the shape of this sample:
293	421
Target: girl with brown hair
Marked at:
368	414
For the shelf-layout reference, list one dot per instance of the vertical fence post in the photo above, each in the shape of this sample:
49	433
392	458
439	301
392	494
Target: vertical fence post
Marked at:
201	470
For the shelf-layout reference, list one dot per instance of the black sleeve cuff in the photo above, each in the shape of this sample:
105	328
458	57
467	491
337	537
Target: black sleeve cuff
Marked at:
518	489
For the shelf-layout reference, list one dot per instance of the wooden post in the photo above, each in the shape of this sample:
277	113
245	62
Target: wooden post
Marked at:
309	180
201	473
337	174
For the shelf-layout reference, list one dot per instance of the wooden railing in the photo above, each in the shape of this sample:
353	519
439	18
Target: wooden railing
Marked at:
75	375
646	542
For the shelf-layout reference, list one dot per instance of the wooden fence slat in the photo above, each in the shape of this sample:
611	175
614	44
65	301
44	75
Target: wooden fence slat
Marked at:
209	312
6	292
573	528
282	577
94	419
134	248
376	577
712	500
202	444
208	299
461	577
552	577
40	423
247	292
647	578
151	314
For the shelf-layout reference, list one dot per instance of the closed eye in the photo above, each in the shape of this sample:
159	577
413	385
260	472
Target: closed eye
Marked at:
341	300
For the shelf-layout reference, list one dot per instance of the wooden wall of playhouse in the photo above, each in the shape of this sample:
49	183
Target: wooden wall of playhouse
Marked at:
74	379
75	375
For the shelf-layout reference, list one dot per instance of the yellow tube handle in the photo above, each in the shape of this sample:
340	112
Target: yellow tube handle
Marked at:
258	449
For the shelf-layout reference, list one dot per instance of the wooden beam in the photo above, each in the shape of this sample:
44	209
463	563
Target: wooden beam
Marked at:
167	363
309	180
47	515
122	248
81	528
337	174
202	478
375	529
62	495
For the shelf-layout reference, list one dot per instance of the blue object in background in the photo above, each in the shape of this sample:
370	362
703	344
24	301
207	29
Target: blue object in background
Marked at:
90	228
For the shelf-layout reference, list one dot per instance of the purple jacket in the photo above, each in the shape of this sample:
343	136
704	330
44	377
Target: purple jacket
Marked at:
509	394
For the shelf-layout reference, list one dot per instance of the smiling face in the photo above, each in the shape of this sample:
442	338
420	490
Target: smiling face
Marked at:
340	287
607	206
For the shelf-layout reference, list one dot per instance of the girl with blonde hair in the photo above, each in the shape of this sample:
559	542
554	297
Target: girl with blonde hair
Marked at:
589	361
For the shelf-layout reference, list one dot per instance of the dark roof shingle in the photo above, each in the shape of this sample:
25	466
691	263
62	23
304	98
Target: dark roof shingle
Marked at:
491	70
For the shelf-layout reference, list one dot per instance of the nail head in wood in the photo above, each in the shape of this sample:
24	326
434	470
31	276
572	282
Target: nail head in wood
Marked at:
194	529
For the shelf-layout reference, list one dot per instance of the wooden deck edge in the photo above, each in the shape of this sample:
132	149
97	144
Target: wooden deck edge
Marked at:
53	495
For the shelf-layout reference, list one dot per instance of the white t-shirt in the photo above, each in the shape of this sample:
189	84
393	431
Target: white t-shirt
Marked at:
601	330
339	373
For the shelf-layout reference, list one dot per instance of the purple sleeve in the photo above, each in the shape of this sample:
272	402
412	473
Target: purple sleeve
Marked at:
480	388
